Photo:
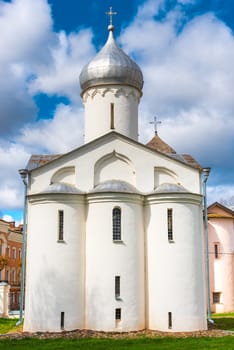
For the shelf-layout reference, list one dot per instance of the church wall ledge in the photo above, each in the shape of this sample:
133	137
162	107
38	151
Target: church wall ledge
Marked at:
115	197
190	198
57	197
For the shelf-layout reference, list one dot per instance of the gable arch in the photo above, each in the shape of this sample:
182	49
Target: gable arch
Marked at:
66	174
114	166
164	175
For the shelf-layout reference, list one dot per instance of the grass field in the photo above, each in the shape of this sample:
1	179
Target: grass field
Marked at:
120	344
223	321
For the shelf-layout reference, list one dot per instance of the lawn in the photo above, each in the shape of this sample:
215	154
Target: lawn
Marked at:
8	325
223	321
120	344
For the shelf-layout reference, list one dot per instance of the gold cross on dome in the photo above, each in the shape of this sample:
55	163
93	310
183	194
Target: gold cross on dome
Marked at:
111	13
155	122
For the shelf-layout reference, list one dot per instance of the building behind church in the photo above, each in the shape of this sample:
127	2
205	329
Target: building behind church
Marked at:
10	261
221	257
115	231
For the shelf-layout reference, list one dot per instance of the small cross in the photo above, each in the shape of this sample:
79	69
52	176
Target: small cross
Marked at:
155	122
110	13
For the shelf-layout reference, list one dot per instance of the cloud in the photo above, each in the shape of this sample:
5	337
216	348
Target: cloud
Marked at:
60	134
25	29
189	82
12	157
61	77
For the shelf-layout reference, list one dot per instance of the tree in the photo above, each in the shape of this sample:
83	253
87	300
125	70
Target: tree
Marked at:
3	262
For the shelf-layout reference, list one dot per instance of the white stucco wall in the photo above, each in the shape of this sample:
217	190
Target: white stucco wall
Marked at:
175	270
106	259
97	111
55	270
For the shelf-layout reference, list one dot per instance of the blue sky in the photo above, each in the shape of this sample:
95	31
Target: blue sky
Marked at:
184	47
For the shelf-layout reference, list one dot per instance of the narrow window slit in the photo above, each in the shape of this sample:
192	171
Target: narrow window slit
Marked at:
170	225
117	287
169	320
112	116
62	320
60	225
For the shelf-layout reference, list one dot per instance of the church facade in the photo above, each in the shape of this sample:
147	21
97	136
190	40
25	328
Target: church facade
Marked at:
115	231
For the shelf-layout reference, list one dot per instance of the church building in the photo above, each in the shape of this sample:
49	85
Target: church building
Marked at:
114	228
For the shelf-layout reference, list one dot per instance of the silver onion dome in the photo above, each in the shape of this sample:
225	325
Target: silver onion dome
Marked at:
111	66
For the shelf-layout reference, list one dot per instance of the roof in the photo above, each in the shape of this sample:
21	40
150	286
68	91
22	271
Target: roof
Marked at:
218	210
111	66
37	161
170	187
114	186
157	144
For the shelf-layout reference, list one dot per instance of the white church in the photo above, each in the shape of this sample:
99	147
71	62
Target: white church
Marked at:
114	228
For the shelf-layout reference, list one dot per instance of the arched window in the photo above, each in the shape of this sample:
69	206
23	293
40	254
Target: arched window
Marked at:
116	224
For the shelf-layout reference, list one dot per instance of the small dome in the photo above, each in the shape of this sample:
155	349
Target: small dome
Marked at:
61	187
114	186
111	66
169	187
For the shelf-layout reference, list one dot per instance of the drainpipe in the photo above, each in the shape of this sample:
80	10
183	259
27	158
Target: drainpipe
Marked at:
24	176
206	172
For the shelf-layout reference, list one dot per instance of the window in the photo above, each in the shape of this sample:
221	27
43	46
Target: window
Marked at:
118	314
117	287
7	251
112	117
216	250
116	224
7	275
13	276
169	320
20	253
60	224
216	297
62	320
0	248
169	225
14	253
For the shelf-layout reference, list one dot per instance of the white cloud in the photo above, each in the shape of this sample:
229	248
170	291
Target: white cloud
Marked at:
60	134
61	77
25	26
8	218
189	83
25	29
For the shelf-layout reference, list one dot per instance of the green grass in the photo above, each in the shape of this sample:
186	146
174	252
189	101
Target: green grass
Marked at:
227	314
120	344
224	321
7	325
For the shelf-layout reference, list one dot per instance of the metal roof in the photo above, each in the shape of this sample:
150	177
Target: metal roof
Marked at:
111	66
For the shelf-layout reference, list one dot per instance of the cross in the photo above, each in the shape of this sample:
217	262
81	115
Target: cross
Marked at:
110	13
155	122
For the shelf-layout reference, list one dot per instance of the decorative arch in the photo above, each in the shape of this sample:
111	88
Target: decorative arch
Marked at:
164	175
114	166
66	174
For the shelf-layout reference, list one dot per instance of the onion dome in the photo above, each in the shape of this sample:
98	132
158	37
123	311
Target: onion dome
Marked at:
111	66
